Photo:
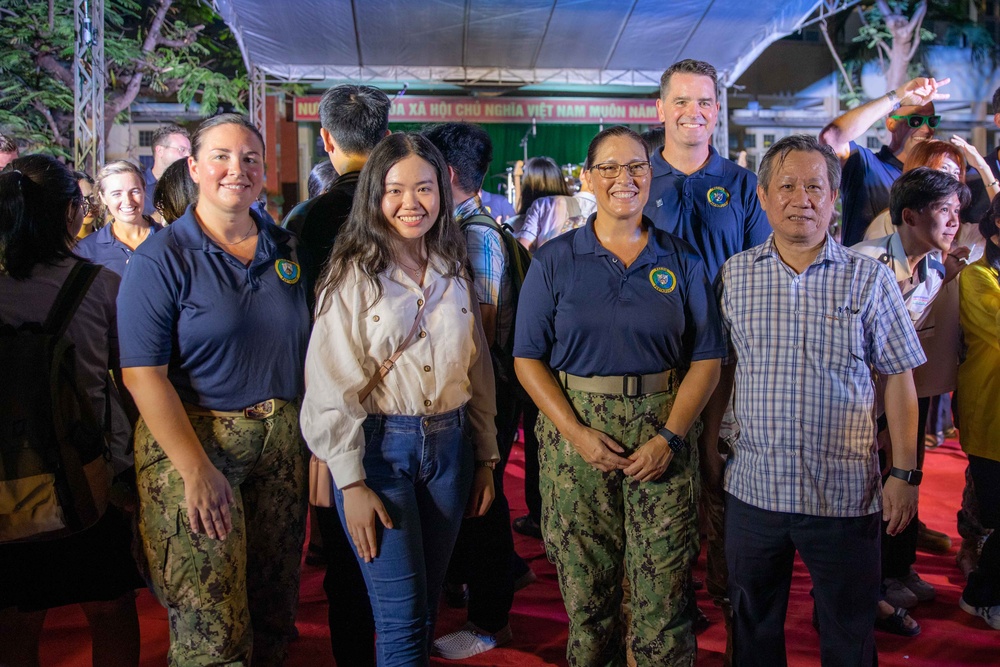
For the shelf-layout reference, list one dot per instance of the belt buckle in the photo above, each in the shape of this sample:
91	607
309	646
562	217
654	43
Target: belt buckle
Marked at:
632	385
261	410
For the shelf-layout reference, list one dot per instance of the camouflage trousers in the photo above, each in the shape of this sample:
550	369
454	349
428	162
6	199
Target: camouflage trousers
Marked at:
601	527
227	600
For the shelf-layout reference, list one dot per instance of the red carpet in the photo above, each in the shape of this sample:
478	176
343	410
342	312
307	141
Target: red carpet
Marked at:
950	637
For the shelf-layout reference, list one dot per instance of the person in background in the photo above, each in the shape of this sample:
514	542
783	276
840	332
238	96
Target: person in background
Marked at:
321	177
170	143
710	202
620	376
174	192
91	207
121	194
924	206
909	117
979	410
354	119
9	150
497	206
555	214
402	462
42	211
214	326
542	177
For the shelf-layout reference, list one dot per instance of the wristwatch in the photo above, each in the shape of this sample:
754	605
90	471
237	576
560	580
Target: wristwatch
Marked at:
492	465
911	477
676	442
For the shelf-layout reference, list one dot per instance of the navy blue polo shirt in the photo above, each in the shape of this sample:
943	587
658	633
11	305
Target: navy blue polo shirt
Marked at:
865	182
103	248
230	335
582	312
715	209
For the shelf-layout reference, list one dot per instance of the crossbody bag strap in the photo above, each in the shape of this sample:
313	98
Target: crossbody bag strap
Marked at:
72	292
387	365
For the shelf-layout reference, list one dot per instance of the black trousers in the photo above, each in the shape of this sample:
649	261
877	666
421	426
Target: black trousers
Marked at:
484	552
899	552
842	556
983	589
532	496
352	626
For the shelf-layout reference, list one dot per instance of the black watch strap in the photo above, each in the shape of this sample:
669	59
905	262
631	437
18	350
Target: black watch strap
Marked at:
911	477
677	443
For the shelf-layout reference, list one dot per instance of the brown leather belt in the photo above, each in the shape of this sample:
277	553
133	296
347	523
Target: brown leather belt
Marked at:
630	385
261	410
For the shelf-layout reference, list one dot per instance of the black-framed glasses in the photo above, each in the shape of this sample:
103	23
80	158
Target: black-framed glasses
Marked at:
89	205
613	169
915	120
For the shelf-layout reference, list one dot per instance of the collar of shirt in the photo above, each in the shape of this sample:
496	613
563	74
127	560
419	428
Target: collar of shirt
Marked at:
585	242
470	207
831	252
187	233
887	156
715	166
107	237
932	261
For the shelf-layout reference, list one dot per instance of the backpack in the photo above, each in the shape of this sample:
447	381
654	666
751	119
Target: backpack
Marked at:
55	475
518	261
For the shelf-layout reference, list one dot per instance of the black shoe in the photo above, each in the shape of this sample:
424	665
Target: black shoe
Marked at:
525	525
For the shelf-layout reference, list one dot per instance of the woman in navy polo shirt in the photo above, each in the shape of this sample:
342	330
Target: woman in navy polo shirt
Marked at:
618	343
213	327
404	467
122	191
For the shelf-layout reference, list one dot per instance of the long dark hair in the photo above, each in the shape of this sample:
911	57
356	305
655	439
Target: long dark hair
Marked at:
988	228
36	192
367	237
542	178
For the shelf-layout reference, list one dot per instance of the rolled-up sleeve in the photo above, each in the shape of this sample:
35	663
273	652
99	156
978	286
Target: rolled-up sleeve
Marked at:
332	416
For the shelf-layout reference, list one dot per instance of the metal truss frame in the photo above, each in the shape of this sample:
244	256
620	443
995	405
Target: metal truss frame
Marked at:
88	85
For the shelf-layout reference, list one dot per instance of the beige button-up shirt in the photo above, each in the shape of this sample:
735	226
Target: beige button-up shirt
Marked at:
445	365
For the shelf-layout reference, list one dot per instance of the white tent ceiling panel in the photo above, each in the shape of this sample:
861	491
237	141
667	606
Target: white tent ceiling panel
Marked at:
586	42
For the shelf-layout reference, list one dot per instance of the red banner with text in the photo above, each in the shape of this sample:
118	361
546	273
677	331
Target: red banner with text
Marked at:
422	109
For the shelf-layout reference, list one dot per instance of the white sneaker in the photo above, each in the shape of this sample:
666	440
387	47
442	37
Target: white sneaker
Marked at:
989	614
470	641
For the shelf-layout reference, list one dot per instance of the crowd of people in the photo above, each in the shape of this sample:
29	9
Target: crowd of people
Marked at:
691	352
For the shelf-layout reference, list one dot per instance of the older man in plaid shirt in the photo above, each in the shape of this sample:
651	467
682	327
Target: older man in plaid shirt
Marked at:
808	322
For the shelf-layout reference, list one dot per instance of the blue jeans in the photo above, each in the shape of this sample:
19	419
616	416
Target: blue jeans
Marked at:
422	469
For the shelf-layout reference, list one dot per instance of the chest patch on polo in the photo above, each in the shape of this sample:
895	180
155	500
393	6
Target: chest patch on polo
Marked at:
718	197
287	270
663	280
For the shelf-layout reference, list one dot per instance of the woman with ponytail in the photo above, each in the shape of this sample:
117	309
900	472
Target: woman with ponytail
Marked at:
41	212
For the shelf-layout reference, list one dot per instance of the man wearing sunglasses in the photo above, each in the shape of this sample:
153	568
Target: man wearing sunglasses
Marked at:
909	117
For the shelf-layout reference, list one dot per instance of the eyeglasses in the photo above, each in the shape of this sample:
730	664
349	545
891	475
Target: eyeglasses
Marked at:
613	169
183	150
915	120
88	205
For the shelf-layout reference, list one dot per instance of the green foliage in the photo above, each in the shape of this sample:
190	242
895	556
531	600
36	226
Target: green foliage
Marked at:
960	31
195	62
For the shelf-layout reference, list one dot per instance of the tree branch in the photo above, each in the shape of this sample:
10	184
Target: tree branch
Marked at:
836	56
47	113
48	63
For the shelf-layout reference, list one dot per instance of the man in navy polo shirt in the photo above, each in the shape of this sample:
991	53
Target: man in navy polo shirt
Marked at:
697	194
868	176
711	203
170	143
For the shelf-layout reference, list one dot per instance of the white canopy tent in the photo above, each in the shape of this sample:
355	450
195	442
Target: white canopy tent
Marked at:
490	45
508	42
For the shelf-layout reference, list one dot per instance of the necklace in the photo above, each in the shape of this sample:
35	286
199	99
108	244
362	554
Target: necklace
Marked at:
416	272
245	236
